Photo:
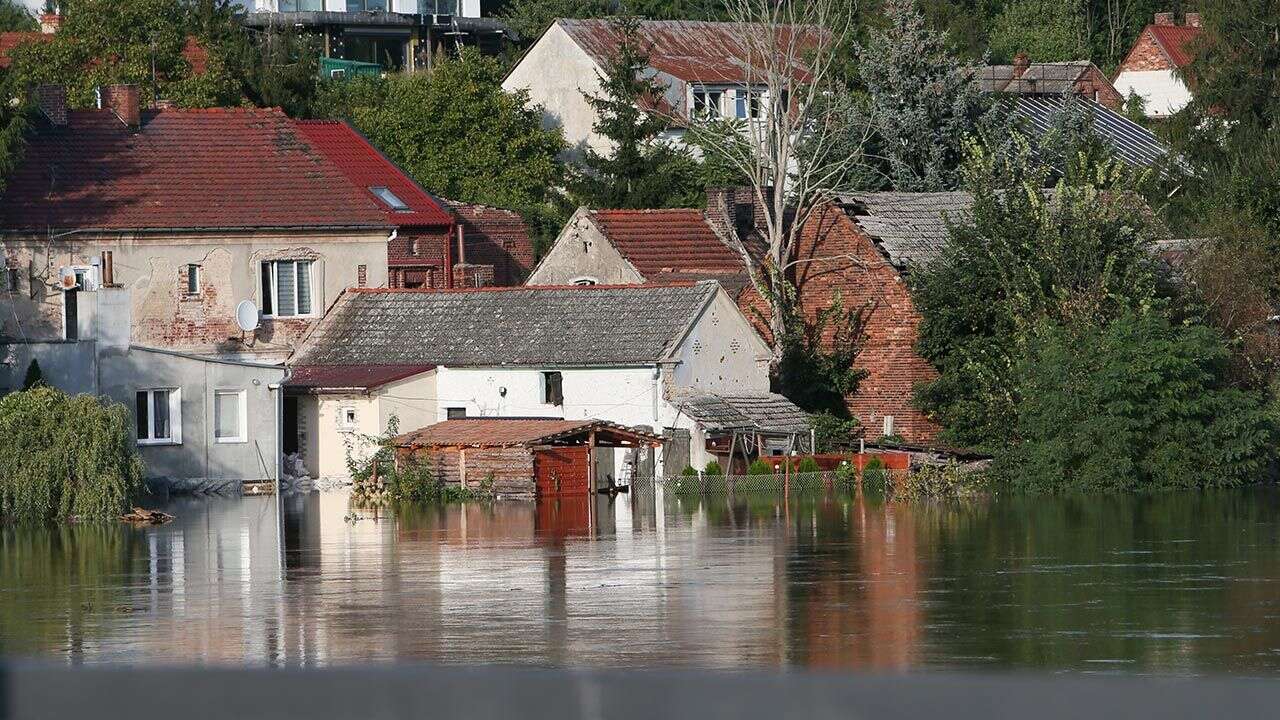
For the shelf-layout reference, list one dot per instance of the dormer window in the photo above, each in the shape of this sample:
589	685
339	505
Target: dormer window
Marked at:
389	198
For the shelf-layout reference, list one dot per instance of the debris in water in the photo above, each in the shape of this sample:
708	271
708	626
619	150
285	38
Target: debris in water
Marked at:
147	517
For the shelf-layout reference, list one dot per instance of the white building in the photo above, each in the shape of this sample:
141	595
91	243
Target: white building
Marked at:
1153	68
641	356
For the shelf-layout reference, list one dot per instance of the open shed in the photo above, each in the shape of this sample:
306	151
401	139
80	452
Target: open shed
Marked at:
546	457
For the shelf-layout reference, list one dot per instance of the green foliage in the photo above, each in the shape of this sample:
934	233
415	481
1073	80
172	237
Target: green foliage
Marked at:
875	478
65	457
1047	30
15	18
937	483
1081	254
530	18
760	466
808	465
375	477
831	432
639	170
818	351
688	471
923	102
1137	404
713	469
34	377
457	133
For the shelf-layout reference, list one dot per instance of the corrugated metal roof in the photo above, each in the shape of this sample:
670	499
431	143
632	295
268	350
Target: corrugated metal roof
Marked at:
1130	142
762	412
583	326
689	50
510	432
343	377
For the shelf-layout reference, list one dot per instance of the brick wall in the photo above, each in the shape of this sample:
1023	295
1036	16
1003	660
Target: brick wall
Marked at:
418	246
497	237
1146	55
472	275
1095	85
864	279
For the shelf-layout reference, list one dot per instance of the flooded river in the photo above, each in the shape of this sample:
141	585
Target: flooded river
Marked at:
1175	583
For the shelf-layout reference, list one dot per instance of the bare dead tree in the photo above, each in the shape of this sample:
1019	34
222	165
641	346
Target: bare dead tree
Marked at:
801	143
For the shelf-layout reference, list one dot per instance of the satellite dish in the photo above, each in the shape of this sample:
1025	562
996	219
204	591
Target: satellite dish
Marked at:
247	316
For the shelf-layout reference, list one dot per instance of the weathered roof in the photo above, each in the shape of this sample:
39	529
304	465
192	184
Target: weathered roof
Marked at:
666	241
689	50
1176	41
1130	142
511	432
910	228
1051	77
182	169
349	377
368	168
763	412
582	326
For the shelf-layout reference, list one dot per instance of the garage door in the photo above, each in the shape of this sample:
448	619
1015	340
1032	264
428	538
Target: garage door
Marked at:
561	471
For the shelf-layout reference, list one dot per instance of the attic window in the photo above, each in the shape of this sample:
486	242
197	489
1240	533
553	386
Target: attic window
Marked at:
391	200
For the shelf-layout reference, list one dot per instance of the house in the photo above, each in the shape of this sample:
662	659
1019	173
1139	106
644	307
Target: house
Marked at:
1153	68
494	239
617	353
395	34
531	457
1023	77
703	66
631	247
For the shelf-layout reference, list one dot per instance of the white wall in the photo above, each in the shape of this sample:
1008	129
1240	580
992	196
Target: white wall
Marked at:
723	353
1163	91
583	252
556	72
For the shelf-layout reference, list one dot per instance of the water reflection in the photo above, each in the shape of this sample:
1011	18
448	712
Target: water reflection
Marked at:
1171	583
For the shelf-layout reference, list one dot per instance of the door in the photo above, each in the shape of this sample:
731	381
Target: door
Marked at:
561	471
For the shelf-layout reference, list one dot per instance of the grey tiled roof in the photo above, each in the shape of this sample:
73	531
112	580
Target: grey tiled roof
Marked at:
542	326
911	228
765	412
1052	77
1130	142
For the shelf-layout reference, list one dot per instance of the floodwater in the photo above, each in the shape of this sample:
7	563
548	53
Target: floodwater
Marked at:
1185	583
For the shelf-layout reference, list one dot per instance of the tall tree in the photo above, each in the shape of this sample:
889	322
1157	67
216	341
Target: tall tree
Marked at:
15	18
1047	30
638	170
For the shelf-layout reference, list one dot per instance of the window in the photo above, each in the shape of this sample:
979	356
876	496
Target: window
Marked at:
746	104
413	246
286	288
455	413
71	314
552	388
12	279
347	418
304	5
706	103
193	279
438	7
392	200
230	421
367	5
159	416
584	281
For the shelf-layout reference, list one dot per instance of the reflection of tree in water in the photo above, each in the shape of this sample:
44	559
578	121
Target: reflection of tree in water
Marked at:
60	584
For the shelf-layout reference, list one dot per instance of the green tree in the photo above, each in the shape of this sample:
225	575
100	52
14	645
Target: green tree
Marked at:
15	18
530	18
1047	30
1136	404
923	102
457	132
638	170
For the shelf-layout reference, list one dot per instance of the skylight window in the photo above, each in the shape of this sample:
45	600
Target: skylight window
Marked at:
391	199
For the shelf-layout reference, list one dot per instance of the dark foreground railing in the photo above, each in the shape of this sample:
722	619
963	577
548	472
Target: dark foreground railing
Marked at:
503	693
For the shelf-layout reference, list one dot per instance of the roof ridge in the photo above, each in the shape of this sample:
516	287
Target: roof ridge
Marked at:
517	288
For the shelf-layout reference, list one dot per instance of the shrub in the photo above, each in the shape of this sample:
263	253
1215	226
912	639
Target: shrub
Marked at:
688	471
808	465
832	433
412	482
932	481
874	476
64	457
713	468
760	466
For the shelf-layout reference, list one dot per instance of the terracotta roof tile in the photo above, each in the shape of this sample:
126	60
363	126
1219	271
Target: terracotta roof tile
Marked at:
668	241
1176	41
11	40
506	432
182	169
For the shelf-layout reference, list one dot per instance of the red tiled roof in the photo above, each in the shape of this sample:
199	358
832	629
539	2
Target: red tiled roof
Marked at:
507	432
366	167
690	50
11	40
182	169
1176	41
338	377
667	241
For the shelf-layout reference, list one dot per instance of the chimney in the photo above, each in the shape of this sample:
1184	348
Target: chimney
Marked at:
1164	18
1193	19
124	101
52	100
50	22
1021	62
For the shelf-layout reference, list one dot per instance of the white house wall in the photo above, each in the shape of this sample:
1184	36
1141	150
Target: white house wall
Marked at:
722	353
582	252
412	402
1162	91
556	72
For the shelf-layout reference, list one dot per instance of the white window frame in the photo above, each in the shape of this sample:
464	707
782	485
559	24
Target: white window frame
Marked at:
707	91
243	429
175	416
275	290
345	425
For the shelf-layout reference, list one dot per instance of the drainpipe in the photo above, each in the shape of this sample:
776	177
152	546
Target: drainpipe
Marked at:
448	256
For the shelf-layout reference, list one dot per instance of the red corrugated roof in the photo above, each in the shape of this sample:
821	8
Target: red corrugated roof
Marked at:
667	241
338	377
690	50
182	169
1176	41
508	432
367	167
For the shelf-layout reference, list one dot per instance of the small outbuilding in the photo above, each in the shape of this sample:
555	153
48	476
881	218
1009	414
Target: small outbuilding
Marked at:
543	457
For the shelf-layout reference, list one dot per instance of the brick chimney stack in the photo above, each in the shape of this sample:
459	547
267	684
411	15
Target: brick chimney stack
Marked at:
1164	18
52	100
1193	19
124	101
50	22
1021	62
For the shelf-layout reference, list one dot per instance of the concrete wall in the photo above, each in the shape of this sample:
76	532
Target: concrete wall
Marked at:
556	72
154	270
583	252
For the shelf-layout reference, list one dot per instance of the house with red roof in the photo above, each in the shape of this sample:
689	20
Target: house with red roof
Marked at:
1153	68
